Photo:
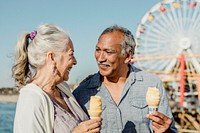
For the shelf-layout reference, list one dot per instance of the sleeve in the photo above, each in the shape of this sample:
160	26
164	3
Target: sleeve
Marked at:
164	106
29	117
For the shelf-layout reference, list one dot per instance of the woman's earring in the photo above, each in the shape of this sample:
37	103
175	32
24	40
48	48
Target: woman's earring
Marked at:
54	69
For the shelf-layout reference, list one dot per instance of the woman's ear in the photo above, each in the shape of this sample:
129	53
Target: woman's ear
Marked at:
50	56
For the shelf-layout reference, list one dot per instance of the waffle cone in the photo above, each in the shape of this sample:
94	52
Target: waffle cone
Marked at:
95	107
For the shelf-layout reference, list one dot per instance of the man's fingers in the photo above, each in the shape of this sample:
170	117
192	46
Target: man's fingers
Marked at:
158	114
155	129
160	122
163	117
159	118
156	119
157	125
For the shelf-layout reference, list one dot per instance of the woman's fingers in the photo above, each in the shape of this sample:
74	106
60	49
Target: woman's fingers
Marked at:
95	126
90	126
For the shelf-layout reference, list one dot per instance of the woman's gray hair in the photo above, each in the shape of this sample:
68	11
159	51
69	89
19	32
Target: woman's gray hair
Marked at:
128	43
31	53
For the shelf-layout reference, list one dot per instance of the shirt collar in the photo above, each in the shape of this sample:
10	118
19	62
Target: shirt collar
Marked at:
136	73
95	81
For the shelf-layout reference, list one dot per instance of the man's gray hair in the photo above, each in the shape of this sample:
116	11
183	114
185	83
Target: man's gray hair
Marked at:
128	44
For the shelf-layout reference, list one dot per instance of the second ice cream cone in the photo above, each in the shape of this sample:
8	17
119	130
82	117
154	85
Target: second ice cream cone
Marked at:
153	98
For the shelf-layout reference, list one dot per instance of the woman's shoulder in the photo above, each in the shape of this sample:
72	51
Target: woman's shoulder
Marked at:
32	94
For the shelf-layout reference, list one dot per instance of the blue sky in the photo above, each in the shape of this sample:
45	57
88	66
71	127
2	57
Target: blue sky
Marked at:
84	20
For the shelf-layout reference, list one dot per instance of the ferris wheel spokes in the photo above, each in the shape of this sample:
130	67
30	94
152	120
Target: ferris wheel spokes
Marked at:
194	61
170	28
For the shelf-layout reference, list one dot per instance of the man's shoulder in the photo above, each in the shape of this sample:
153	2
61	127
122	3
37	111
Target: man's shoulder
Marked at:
144	75
88	79
91	81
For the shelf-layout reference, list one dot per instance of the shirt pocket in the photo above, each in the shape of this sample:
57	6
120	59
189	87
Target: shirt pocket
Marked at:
138	109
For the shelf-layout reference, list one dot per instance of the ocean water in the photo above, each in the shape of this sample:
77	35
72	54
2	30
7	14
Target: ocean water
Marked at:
7	113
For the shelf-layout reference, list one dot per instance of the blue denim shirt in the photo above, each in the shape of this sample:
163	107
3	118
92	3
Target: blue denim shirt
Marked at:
129	116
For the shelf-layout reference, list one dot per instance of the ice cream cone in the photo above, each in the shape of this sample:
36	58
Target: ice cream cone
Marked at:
95	107
153	98
94	114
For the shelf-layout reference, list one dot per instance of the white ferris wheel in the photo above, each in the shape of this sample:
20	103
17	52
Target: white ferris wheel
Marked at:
170	30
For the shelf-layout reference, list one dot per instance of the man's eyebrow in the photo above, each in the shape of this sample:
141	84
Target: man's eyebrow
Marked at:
111	50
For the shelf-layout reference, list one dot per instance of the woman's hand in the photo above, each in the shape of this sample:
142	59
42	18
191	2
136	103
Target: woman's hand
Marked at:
89	126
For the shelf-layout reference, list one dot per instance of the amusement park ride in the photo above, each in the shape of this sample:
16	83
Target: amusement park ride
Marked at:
168	44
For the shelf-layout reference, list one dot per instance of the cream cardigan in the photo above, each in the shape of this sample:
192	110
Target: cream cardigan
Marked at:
35	110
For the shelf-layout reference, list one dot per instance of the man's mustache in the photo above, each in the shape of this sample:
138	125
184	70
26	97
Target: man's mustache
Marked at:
102	63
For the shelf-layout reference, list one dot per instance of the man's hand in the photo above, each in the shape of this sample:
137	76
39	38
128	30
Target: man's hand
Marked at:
160	122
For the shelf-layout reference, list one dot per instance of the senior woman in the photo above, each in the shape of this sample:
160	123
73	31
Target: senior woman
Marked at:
44	59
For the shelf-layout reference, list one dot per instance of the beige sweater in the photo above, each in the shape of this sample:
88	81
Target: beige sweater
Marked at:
35	110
